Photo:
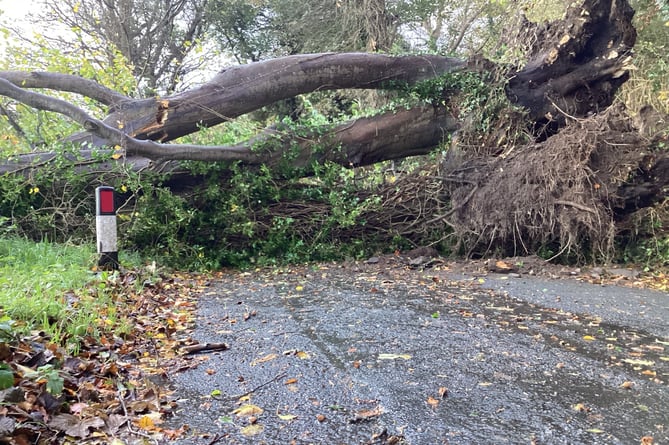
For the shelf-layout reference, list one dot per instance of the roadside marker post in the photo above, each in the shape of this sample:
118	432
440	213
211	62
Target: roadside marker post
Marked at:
105	227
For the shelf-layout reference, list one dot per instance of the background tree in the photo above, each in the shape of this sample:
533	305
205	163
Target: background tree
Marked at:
155	37
257	30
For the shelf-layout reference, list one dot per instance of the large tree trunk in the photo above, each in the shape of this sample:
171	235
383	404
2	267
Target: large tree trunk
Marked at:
245	88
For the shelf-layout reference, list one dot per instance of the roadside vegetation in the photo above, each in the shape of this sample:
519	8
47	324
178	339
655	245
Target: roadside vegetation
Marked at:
64	326
38	282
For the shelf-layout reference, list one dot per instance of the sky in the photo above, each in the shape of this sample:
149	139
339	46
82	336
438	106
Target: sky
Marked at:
16	9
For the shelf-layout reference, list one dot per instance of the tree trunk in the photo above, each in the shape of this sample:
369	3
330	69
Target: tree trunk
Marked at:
245	88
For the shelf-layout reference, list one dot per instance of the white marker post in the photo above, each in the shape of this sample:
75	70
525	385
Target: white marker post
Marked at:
105	227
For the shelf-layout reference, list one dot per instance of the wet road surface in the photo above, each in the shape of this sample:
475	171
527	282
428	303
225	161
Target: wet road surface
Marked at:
369	355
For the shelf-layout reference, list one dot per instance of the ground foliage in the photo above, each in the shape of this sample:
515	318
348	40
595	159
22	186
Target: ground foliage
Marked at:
113	389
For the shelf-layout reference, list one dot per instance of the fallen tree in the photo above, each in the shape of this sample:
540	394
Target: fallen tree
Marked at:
485	188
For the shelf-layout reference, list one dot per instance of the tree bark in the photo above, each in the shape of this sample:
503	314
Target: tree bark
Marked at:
393	135
245	88
581	62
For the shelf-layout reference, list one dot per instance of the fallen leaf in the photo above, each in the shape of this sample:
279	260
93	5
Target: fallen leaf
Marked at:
146	423
7	425
627	385
443	392
639	362
248	410
252	430
75	427
589	338
290	381
394	356
595	431
320	418
647	440
302	355
502	265
581	408
267	358
434	403
367	414
287	416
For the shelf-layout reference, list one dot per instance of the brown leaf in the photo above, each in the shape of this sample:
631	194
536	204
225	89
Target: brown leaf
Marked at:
443	392
75	427
367	414
434	403
267	358
627	385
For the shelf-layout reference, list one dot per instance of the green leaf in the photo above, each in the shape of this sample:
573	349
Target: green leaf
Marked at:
6	376
54	382
215	393
225	419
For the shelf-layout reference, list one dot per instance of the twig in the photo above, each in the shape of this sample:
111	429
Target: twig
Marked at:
194	349
217	438
454	209
576	205
262	385
127	416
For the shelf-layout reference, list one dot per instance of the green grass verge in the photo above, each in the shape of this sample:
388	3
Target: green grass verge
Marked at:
50	288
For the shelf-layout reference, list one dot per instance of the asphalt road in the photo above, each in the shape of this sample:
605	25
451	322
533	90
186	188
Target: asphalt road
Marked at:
370	354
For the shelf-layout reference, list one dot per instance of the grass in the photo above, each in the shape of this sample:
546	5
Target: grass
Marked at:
49	288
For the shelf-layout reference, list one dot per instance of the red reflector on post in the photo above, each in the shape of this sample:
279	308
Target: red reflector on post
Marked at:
105	201
105	227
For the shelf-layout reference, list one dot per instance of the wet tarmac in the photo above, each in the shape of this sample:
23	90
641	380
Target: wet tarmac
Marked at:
364	355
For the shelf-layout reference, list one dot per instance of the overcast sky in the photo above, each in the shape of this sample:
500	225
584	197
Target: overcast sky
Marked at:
15	9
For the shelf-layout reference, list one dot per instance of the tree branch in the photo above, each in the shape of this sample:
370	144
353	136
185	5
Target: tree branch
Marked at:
65	82
362	142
